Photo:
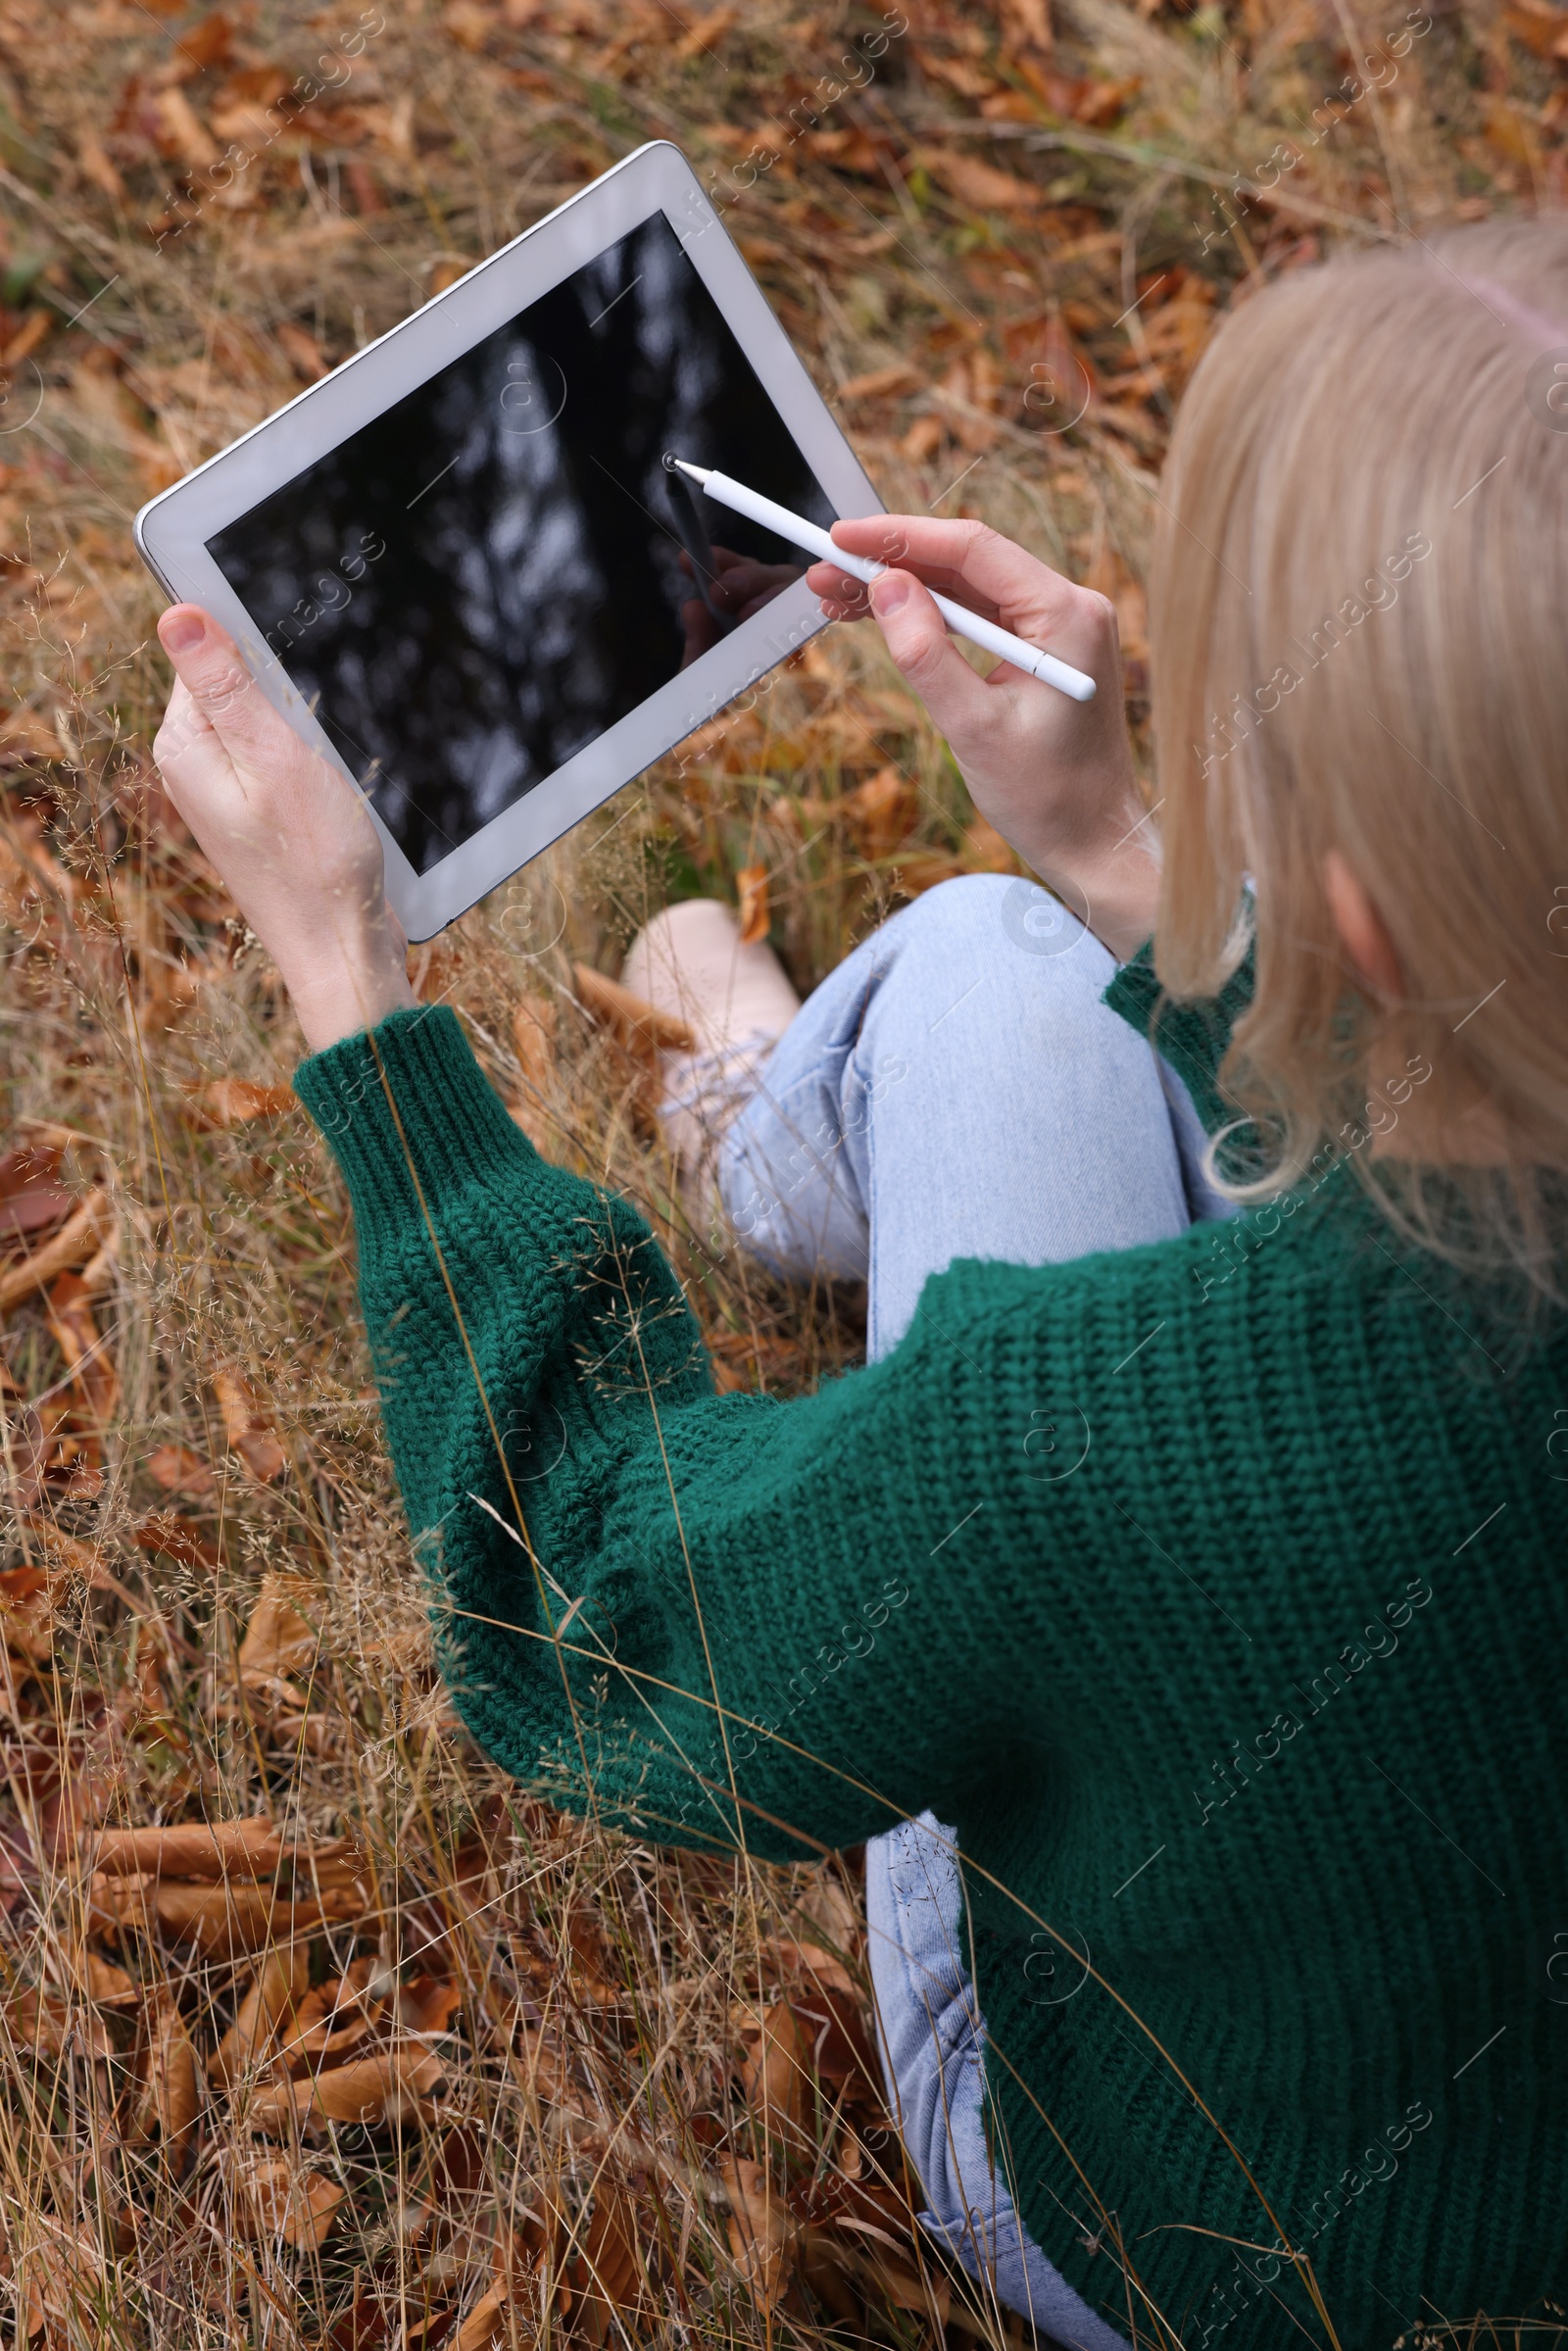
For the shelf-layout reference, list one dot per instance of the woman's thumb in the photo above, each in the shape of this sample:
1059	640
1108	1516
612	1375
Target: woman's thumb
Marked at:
208	666
924	653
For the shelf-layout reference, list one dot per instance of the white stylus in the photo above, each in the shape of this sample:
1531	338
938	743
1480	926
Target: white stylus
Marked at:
962	623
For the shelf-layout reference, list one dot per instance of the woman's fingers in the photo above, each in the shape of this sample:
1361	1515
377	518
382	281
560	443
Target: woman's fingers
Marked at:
189	755
223	693
251	790
964	706
844	597
972	560
292	837
180	728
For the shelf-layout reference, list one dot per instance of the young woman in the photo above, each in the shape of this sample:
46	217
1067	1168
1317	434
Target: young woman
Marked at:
1184	1570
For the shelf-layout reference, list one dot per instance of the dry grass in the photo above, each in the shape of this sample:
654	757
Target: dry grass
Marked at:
433	2064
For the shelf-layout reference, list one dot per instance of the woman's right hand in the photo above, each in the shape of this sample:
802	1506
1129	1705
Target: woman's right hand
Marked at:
1056	777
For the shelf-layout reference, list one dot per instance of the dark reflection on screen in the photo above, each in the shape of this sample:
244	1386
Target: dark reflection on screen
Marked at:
477	584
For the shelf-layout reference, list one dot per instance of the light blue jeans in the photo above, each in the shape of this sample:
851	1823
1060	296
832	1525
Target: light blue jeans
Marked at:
957	1089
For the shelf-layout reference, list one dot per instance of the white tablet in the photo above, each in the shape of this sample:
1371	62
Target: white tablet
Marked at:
455	564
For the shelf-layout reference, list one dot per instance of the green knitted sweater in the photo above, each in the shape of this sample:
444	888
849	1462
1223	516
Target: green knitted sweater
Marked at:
1215	1589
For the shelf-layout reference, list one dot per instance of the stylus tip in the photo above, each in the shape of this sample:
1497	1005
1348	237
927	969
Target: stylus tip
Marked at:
674	463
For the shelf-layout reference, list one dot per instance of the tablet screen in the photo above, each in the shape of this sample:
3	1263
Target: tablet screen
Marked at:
472	588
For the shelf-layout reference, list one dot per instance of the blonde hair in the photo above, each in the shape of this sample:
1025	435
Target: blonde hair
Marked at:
1359	641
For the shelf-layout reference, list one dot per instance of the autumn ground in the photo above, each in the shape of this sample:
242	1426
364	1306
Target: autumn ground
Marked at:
385	2054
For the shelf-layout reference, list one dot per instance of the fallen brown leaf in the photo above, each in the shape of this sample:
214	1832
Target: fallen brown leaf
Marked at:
980	185
1078	98
848	149
710	27
109	1986
237	1101
486	2328
71	1245
881	812
56	1457
94	164
183	133
816	2034
1176	330
78	1558
95	1275
773	2078
969	80
428	2004
179	1470
761	2229
51	2024
882	384
82	1347
831	2263
27	340
1536	24
118	1904
277	2198
223	1921
30	1598
280	1640
1028	22
614	2285
910	2289
31	1196
209	41
785	1959
751	884
469	24
923	439
166	2079
164	1533
204	1849
638	1022
249	1425
333	2018
279	1983
392	2086
533	1033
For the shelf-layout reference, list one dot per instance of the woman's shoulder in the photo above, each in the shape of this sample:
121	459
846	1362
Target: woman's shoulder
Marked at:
1306	1238
1314	1290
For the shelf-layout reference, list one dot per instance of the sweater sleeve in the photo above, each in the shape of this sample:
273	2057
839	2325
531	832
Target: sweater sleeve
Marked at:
651	1602
1194	1037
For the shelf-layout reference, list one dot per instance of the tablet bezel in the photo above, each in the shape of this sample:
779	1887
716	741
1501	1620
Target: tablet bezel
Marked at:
172	528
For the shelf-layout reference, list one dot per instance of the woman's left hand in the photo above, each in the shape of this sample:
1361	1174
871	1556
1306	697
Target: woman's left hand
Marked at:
291	837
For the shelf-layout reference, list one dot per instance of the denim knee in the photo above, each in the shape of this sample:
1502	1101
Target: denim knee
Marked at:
979	928
931	1087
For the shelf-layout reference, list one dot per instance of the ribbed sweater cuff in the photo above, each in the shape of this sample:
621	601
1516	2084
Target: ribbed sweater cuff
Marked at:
447	1118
